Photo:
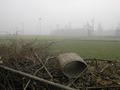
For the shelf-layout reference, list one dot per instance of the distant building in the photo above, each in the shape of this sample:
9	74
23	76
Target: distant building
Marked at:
87	30
4	33
117	31
70	32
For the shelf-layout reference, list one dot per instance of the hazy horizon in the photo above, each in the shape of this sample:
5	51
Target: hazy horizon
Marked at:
50	14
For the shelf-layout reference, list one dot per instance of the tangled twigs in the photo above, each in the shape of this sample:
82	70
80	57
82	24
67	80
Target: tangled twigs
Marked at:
31	57
36	78
37	57
30	79
37	72
76	78
104	68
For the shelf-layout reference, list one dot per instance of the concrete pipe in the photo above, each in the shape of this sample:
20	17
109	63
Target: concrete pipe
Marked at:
71	64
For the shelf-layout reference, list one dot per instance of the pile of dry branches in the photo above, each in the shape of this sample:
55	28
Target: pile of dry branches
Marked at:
33	57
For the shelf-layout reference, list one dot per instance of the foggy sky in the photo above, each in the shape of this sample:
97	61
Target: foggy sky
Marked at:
56	12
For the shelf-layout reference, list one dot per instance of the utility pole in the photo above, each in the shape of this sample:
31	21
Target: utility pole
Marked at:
69	25
16	32
118	31
93	24
57	27
22	28
39	19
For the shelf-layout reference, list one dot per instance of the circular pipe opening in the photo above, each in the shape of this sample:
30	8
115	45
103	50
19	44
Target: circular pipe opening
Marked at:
74	68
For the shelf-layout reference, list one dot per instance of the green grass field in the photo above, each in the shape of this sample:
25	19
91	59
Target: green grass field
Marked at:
95	47
90	48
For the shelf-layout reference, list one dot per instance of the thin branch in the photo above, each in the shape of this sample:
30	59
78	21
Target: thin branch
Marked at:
37	72
30	79
36	78
76	78
43	65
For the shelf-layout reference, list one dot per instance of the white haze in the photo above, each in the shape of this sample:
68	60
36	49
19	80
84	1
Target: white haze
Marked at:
19	13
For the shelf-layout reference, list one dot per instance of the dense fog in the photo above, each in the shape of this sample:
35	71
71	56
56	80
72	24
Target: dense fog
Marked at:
60	17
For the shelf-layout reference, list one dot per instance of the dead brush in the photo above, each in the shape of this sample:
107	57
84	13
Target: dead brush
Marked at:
21	53
34	57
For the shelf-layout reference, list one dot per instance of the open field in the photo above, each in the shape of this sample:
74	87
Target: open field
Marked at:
31	63
94	47
90	49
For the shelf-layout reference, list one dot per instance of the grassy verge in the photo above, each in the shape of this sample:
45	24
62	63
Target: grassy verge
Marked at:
93	47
